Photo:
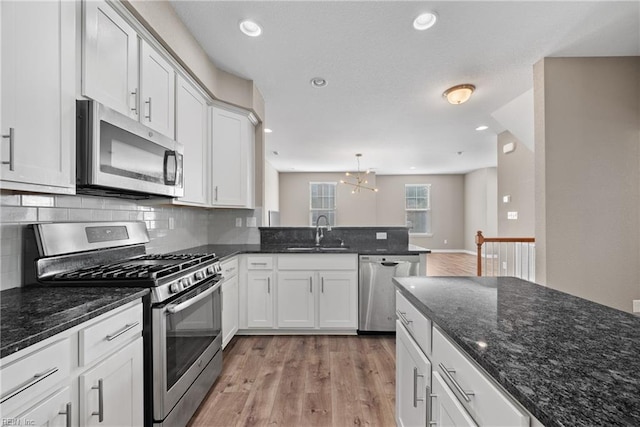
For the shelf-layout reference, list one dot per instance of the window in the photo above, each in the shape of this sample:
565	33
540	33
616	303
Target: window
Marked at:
417	205
322	201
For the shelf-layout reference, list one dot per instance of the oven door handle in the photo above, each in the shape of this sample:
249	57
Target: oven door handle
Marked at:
175	308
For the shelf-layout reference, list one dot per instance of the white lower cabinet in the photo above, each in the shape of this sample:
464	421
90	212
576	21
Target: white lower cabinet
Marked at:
446	409
111	393
296	299
413	381
71	380
260	299
230	300
338	300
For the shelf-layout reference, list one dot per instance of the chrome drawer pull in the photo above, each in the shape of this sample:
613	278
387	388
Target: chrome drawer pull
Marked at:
12	138
126	328
415	387
67	412
462	392
430	422
322	285
310	285
268	285
33	381
401	315
258	263
100	388
149	103
135	101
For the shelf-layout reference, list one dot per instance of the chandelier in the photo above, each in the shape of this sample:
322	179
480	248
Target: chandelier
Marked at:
360	180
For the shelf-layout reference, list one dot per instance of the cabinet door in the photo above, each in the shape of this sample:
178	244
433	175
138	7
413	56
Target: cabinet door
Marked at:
447	410
229	158
260	299
110	59
229	309
118	383
413	371
296	300
338	300
157	91
56	410
38	95
191	132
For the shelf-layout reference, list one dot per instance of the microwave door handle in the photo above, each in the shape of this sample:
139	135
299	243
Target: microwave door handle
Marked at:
170	179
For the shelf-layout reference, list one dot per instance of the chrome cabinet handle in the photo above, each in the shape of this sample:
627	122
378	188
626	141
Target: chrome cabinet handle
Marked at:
401	315
175	308
135	101
258	263
216	193
430	422
268	285
462	392
67	412
12	138
322	285
415	387
148	103
310	284
33	381
100	388
126	328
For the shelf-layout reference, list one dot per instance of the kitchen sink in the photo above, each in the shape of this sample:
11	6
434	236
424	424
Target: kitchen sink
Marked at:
317	249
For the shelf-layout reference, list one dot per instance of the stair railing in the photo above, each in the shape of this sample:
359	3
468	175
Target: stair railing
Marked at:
506	256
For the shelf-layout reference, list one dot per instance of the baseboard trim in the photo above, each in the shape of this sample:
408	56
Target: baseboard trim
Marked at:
449	251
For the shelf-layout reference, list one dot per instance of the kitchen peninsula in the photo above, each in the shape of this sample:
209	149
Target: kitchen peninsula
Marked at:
566	360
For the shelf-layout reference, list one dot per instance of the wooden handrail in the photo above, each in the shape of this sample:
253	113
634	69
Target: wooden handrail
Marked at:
480	240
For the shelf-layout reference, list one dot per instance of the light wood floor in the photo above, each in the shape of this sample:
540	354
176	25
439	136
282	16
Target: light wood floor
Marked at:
312	380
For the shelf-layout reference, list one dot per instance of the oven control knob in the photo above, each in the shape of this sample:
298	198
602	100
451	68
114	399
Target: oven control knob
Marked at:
175	288
199	275
210	270
185	282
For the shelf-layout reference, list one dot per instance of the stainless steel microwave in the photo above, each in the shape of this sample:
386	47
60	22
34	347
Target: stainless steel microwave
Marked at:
119	156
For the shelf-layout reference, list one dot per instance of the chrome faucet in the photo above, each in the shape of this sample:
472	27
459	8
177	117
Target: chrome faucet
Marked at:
319	233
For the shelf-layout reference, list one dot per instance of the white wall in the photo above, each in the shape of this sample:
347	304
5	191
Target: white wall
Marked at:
587	189
271	190
480	206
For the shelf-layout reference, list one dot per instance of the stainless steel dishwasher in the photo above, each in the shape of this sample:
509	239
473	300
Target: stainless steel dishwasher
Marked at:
377	297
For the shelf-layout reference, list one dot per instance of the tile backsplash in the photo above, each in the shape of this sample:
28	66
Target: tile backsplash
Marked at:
171	228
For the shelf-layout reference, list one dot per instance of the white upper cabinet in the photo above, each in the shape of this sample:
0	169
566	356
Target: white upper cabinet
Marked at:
38	96
191	132
232	142
124	72
157	91
110	58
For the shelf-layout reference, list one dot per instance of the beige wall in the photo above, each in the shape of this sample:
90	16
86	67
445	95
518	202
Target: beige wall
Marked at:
515	179
271	190
587	159
447	204
480	205
352	209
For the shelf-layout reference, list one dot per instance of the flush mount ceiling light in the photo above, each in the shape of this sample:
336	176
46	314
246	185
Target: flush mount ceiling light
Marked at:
250	28
360	180
483	127
267	130
425	21
318	82
459	94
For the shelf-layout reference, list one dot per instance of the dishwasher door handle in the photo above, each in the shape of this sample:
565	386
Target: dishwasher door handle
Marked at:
389	263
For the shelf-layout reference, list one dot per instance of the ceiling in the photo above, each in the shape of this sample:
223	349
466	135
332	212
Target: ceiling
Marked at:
385	79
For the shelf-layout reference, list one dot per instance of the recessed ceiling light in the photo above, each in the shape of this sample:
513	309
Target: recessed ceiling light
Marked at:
425	21
483	127
250	28
275	153
267	130
318	82
412	168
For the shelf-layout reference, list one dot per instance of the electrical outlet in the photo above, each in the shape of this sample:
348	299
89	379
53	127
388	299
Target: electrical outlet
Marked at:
252	221
636	305
381	236
504	265
512	215
238	222
446	241
172	223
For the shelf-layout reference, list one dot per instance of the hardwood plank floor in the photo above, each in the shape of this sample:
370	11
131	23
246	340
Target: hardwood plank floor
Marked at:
314	380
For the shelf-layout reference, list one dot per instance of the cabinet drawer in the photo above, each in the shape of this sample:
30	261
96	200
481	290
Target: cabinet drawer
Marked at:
489	405
259	263
109	334
229	267
26	378
417	325
318	262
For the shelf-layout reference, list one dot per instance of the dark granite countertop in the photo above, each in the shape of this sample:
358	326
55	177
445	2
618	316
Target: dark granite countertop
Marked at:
33	313
224	251
569	361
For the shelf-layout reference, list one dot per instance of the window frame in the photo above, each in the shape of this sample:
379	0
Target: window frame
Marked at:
428	210
335	202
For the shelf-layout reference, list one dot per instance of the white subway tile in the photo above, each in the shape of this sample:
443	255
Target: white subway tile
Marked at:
80	215
18	214
100	215
53	214
92	202
119	215
36	200
9	199
69	201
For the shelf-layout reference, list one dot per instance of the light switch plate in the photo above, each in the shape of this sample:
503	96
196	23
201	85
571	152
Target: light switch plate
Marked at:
636	305
512	215
506	199
381	235
238	222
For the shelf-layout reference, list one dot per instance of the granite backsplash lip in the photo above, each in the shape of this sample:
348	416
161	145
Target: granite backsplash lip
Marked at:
31	314
569	361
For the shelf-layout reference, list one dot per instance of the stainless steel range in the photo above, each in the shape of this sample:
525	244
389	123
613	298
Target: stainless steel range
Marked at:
183	329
